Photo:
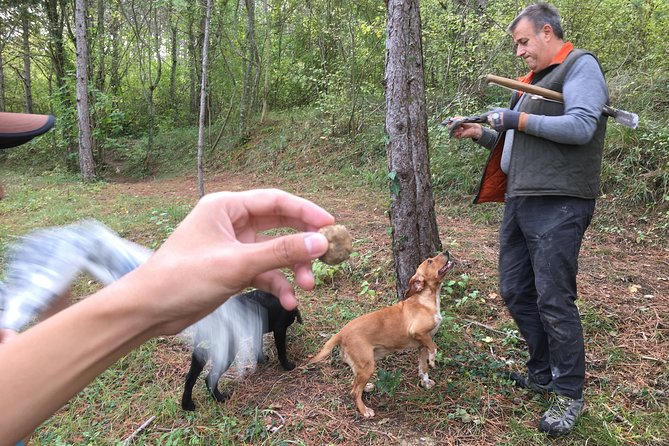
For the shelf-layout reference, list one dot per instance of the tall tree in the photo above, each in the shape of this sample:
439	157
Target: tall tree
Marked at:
86	162
27	77
203	100
101	36
194	52
61	64
266	60
172	25
115	53
415	234
251	63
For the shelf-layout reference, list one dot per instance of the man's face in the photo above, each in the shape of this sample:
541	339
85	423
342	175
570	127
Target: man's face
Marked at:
531	46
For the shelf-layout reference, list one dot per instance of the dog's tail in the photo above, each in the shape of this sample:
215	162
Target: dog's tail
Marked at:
327	349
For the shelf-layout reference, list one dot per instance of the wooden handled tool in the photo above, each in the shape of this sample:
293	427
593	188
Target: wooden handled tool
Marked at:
628	119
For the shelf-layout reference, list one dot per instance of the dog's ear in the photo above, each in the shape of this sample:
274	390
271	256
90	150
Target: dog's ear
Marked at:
416	285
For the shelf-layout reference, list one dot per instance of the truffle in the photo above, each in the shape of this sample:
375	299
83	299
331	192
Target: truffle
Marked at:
340	244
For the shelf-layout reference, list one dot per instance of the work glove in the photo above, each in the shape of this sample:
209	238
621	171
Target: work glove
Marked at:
501	119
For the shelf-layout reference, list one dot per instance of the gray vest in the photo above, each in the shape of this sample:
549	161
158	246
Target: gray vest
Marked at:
542	167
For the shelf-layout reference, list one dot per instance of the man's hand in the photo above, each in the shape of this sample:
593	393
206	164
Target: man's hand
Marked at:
501	119
463	127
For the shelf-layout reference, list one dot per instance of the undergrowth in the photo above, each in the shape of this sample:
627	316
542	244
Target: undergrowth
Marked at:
298	144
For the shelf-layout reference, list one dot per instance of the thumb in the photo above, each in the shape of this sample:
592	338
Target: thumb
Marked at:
287	251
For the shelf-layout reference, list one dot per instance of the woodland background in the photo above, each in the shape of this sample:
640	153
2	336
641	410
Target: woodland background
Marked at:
295	99
324	58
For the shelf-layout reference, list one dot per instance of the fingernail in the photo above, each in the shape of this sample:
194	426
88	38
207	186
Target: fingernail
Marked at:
316	244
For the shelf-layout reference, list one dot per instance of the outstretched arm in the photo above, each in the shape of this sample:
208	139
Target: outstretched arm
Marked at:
218	250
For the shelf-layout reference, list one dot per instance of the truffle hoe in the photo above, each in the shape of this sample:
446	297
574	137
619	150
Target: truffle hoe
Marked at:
628	119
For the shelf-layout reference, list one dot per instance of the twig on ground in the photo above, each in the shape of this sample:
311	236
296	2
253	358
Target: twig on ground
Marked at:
138	431
488	327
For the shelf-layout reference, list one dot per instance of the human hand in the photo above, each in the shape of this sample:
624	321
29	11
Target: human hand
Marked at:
461	130
464	127
220	249
502	119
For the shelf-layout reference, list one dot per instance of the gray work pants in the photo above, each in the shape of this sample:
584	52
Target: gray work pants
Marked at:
540	239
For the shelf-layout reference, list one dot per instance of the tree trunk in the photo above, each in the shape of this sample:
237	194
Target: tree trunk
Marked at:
153	84
415	234
266	62
27	79
56	12
101	36
203	96
193	50
115	57
250	77
428	232
172	25
86	162
191	75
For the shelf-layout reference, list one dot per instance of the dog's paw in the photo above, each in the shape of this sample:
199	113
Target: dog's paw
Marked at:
287	365
221	396
368	413
368	387
427	383
188	405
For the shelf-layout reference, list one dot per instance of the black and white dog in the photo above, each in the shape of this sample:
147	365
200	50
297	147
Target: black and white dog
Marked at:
234	332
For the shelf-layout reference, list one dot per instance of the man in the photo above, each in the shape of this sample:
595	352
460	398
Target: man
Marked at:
545	165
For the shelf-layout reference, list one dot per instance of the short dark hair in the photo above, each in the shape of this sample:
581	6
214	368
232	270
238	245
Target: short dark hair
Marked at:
540	14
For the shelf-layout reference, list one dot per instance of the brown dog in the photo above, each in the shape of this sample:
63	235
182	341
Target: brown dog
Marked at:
409	323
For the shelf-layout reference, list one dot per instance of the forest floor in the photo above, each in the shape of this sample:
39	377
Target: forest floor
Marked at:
624	301
624	295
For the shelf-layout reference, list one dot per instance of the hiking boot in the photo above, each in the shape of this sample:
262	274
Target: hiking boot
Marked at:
561	417
524	382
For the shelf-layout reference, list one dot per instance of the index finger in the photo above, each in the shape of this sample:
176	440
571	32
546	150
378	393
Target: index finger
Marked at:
273	208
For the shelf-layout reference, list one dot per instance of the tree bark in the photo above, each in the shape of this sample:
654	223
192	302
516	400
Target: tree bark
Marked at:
415	234
203	101
86	162
27	78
